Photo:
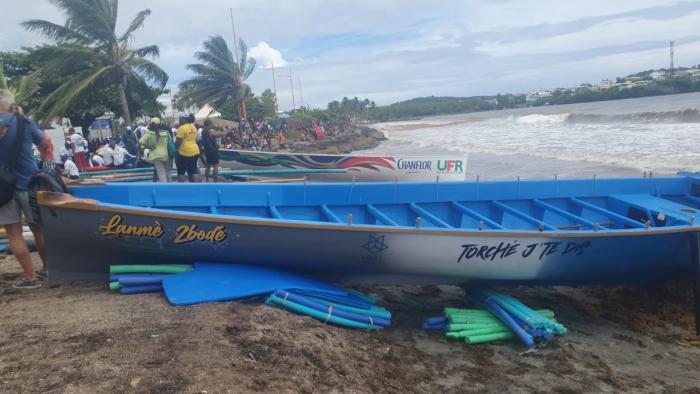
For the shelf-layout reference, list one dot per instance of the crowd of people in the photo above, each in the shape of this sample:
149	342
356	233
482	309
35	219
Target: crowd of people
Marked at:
184	144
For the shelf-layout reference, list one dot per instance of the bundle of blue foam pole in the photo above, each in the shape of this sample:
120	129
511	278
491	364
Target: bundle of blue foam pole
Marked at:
530	326
352	311
137	283
142	278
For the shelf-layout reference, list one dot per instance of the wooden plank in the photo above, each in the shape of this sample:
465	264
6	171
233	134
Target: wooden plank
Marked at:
428	216
380	215
475	215
606	212
567	214
523	215
329	214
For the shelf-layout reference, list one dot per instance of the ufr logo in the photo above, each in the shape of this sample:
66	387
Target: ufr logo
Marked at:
450	165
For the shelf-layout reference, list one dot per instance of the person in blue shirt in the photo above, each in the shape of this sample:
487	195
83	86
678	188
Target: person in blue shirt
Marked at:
25	168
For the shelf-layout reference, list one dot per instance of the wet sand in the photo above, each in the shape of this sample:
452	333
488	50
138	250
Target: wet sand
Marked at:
64	338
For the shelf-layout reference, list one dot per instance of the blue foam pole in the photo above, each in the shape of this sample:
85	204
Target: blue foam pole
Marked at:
141	289
375	321
506	318
141	280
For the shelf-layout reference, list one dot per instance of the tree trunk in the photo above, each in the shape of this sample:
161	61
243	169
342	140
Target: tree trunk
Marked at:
124	102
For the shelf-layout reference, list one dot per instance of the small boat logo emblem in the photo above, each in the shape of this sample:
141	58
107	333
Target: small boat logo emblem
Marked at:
375	244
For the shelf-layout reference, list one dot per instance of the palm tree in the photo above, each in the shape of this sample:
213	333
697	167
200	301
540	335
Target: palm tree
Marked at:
95	56
218	79
23	89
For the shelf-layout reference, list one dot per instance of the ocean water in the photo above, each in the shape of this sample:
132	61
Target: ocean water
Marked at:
612	138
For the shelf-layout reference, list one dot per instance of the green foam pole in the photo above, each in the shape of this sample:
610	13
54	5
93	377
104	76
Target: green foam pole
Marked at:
150	269
114	286
473	340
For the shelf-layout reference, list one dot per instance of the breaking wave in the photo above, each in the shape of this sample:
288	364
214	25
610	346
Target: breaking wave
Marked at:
688	115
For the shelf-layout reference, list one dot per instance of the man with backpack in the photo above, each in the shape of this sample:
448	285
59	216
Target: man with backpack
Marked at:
17	166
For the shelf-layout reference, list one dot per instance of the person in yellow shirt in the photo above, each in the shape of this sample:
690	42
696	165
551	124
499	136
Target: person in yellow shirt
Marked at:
187	150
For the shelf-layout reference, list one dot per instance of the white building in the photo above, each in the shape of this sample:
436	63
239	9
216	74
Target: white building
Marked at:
658	75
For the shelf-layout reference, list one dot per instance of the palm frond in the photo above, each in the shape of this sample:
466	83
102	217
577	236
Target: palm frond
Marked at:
147	51
26	88
211	72
242	52
248	68
135	24
55	32
58	102
213	60
91	18
148	70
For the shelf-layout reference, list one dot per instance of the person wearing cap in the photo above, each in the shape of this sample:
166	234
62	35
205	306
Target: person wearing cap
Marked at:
155	139
70	170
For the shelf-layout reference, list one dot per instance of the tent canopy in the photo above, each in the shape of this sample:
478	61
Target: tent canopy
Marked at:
207	112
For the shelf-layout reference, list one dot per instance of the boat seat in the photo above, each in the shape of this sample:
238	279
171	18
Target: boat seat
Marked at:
651	203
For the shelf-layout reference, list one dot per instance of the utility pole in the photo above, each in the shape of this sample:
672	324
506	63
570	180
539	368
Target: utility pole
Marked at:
670	70
172	105
274	86
243	112
301	94
291	83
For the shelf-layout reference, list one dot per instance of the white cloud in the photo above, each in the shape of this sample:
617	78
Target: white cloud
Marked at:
614	32
389	50
266	56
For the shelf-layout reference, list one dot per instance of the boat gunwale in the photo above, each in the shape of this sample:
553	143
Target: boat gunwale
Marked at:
61	200
384	156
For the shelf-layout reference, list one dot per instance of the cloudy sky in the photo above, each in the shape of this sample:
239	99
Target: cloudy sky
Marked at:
392	50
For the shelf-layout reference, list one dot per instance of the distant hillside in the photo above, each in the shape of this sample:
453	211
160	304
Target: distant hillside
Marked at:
429	106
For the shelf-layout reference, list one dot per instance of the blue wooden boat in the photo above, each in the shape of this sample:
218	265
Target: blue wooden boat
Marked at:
569	232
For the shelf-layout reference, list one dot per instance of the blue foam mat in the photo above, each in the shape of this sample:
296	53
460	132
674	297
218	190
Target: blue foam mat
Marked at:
223	282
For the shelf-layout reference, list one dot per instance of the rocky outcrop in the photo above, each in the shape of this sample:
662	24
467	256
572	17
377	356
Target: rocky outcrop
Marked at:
352	138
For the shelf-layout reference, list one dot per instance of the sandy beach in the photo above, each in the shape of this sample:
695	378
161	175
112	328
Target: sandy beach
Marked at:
70	338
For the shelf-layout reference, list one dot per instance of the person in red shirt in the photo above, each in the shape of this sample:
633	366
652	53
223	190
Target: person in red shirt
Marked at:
46	154
319	133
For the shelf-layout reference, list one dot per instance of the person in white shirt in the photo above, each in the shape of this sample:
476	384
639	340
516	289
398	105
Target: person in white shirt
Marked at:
79	146
108	154
141	130
120	155
70	170
97	160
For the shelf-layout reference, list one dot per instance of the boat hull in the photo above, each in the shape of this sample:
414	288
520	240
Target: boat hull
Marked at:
84	239
360	168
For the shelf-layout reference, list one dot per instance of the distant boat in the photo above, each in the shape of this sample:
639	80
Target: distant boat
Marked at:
358	167
579	231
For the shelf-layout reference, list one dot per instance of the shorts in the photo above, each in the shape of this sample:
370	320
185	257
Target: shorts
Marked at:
186	165
11	212
211	157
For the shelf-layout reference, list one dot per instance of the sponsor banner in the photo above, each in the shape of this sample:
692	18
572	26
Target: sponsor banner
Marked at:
362	168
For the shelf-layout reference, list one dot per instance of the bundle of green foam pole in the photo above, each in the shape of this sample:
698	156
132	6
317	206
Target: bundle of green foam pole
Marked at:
480	326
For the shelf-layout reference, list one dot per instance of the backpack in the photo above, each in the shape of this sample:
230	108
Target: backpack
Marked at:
172	149
47	180
8	177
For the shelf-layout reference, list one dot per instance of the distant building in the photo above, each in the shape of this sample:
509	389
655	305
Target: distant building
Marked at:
531	97
605	84
658	75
